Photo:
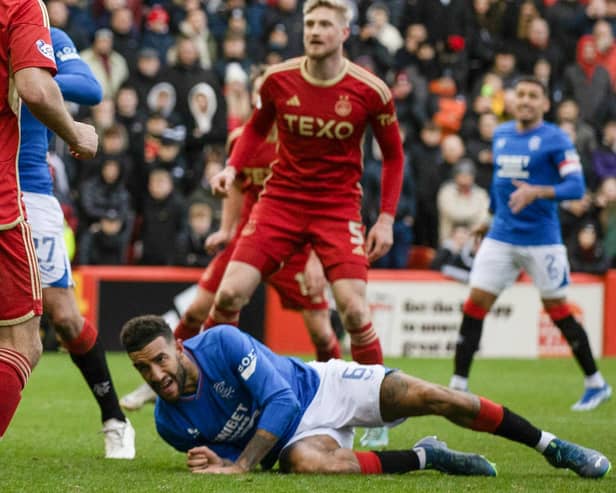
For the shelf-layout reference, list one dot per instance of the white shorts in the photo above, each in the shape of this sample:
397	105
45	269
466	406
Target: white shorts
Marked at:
348	396
47	222
497	266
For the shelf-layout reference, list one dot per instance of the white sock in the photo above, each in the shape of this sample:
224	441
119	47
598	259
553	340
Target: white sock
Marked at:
421	454
544	441
459	383
594	381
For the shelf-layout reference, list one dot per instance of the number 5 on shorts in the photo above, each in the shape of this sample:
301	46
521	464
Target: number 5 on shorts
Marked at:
357	233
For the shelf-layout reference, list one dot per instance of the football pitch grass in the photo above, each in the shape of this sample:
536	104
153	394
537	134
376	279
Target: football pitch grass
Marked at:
54	444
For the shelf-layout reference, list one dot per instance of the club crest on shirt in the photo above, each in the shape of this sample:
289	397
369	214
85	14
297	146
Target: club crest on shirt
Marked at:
343	106
250	228
45	49
223	390
534	143
500	143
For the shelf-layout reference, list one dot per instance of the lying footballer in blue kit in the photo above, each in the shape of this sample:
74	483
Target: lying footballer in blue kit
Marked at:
231	404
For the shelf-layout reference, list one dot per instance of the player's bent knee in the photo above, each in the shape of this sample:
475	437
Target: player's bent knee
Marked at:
355	315
66	324
195	317
229	299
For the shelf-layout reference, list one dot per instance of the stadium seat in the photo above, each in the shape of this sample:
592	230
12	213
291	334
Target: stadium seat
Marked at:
420	257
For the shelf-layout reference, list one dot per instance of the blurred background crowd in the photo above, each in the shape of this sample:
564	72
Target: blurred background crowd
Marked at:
176	80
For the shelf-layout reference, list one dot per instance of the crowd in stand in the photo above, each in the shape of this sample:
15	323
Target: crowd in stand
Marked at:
176	80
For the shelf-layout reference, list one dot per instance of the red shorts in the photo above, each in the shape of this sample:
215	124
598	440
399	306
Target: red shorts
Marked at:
276	230
288	281
20	282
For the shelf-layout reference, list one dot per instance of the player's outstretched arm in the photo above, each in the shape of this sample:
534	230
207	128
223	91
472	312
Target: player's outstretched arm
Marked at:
255	451
42	96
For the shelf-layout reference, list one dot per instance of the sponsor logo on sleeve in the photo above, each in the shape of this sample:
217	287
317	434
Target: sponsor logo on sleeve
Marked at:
67	53
248	365
45	49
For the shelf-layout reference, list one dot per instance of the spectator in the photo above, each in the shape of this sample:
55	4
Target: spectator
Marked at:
107	65
415	35
145	75
606	48
379	17
563	17
606	201
484	35
60	16
425	156
191	250
105	242
575	212
460	200
412	100
441	18
162	99
604	157
454	256
125	35
156	32
131	118
195	27
505	65
104	191
233	51
587	83
585	138
286	16
366	45
480	149
171	157
538	45
201	105
164	220
237	96
397	257
586	253
213	162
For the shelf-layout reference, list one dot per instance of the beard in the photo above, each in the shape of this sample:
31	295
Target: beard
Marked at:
179	377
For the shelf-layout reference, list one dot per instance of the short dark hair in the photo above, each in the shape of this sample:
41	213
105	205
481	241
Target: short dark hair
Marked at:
531	79
138	332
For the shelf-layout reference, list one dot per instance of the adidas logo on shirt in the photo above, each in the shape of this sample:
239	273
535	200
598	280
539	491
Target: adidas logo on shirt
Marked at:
294	101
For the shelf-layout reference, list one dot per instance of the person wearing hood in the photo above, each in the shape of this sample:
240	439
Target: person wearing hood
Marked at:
587	82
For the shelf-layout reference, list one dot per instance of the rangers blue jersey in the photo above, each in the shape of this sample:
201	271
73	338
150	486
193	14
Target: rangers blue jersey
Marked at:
242	386
543	155
78	85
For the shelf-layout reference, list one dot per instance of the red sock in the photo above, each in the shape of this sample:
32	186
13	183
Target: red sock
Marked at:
559	312
369	462
331	350
490	416
14	372
183	331
365	346
473	310
84	341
